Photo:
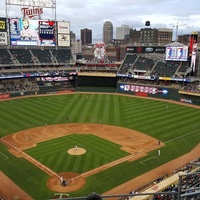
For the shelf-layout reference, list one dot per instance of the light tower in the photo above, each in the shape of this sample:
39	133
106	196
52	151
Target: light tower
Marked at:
177	27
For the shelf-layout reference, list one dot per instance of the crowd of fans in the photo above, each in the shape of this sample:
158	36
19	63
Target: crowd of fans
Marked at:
97	61
2	197
190	88
192	181
18	86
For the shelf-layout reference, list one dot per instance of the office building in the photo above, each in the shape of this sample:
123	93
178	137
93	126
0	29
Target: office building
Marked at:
86	36
108	32
72	36
165	35
149	36
122	31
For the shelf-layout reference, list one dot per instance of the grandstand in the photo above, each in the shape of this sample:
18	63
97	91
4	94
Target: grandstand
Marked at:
32	71
27	70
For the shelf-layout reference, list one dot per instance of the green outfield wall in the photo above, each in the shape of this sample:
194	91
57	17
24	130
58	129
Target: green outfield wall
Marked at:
111	84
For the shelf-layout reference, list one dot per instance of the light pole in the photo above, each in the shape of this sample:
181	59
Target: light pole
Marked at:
177	27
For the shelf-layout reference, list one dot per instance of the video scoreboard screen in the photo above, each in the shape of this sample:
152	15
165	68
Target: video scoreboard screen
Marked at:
30	32
23	32
47	33
179	53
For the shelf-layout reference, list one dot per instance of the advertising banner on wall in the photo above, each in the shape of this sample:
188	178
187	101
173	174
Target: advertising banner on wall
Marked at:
63	28
143	89
63	40
145	49
3	31
193	50
3	25
137	88
3	38
4	96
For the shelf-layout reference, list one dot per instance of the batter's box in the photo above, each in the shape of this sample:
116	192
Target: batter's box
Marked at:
142	162
3	156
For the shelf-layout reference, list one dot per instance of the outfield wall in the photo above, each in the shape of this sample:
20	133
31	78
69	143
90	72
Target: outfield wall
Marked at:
111	85
158	92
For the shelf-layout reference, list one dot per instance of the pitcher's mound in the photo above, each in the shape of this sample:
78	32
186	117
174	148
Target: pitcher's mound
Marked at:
76	151
74	182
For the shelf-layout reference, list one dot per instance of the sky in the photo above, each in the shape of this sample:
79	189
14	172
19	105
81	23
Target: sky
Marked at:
183	16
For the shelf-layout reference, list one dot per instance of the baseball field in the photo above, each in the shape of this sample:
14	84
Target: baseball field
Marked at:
95	141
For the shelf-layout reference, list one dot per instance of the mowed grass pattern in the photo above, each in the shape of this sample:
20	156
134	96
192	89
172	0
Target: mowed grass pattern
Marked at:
175	125
53	153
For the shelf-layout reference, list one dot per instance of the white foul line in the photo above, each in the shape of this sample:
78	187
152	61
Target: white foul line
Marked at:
182	136
6	157
147	159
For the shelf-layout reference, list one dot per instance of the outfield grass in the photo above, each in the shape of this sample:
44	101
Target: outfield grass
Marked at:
175	125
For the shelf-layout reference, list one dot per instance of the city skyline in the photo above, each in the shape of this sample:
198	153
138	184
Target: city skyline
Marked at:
93	14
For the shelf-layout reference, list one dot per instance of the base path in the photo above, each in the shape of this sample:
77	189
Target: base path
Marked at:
133	142
136	143
152	175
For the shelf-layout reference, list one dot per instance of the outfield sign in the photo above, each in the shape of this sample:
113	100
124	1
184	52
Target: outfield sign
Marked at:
186	100
4	96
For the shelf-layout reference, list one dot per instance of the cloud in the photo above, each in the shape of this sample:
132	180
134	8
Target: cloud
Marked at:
92	14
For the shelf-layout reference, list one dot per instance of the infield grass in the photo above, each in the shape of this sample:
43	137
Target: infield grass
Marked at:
98	152
175	125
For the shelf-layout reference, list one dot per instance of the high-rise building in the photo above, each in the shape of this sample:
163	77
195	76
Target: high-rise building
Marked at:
122	31
108	32
86	36
72	36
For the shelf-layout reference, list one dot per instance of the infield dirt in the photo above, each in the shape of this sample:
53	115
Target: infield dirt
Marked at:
131	141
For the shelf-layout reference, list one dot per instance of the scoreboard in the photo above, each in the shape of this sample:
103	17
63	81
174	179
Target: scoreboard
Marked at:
47	33
33	32
21	36
178	53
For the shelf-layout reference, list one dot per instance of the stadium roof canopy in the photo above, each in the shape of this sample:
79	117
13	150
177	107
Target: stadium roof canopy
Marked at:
175	44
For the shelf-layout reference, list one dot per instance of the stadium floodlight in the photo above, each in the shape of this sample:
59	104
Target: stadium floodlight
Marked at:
177	27
35	3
